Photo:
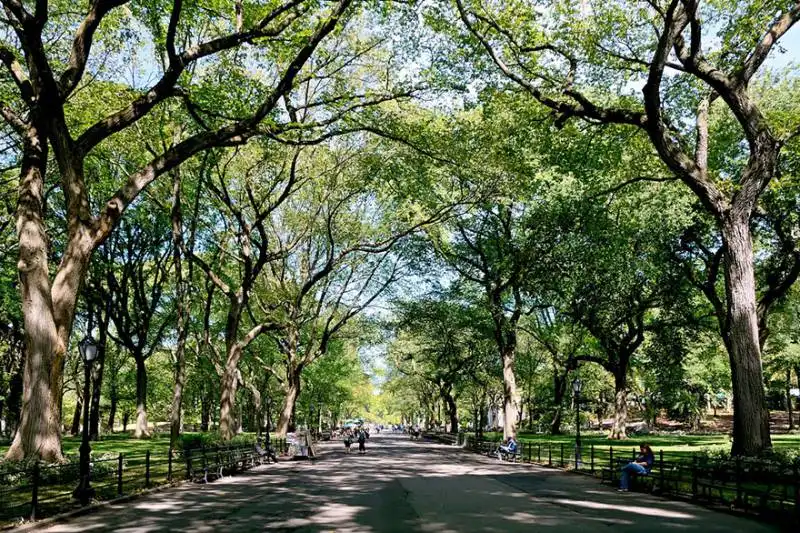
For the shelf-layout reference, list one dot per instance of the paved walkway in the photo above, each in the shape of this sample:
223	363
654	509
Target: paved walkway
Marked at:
403	486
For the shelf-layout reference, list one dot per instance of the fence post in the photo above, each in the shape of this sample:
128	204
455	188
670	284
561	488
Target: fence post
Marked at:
738	474
539	453
147	469
549	454
591	460
119	475
661	469
796	468
694	476
611	463
35	491
169	465
530	445
561	464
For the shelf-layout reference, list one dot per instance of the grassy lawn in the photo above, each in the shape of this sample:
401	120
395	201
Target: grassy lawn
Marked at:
117	443
686	443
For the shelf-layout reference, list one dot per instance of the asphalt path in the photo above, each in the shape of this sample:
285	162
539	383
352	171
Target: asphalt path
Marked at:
403	486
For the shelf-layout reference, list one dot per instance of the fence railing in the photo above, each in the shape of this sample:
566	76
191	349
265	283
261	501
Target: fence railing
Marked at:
767	488
40	490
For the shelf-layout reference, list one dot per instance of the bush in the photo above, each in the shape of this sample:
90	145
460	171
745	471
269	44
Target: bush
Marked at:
21	472
191	441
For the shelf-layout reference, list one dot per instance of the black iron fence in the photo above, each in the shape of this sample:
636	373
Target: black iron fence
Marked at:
767	488
38	490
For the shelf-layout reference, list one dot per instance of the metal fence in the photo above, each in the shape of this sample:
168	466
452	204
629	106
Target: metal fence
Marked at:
40	490
768	488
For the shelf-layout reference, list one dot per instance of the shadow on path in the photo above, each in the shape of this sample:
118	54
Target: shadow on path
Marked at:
403	486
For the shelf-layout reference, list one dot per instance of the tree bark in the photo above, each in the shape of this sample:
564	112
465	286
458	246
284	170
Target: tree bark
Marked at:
228	385
452	410
97	379
750	415
789	407
289	401
75	429
510	397
112	409
205	411
181	309
38	435
619	426
141	431
559	390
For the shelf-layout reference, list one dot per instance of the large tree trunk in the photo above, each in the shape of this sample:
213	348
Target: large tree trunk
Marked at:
39	432
452	410
112	409
289	402
559	390
97	380
619	426
750	414
510	396
205	411
181	309
141	431
228	385
75	429
789	407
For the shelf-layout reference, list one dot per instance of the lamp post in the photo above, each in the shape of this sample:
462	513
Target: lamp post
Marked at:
84	491
577	385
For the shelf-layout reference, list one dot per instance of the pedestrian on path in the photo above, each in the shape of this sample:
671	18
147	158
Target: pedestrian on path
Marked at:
348	440
362	441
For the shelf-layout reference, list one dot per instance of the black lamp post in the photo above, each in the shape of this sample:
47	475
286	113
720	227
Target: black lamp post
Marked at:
577	385
84	491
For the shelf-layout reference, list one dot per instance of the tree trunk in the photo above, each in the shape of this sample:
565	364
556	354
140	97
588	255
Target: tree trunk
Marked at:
452	410
38	435
510	397
182	307
789	409
289	402
750	415
559	390
619	426
112	409
228	385
97	380
141	431
75	429
126	416
205	413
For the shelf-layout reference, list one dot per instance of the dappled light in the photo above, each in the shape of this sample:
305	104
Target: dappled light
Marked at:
401	485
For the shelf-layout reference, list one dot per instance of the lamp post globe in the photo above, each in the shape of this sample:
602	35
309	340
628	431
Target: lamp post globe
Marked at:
84	492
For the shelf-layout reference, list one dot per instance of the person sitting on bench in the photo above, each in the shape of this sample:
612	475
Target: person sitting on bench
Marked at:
267	450
510	447
641	467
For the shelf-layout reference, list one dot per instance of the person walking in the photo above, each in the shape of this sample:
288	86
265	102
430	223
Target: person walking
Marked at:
348	440
362	441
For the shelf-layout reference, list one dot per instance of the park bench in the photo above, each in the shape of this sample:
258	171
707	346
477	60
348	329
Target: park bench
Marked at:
638	482
263	454
511	457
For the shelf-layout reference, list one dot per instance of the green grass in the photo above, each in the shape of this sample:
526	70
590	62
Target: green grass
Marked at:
115	444
686	443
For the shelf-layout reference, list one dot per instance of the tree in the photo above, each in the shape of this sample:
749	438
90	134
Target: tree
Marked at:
135	282
570	52
439	339
41	116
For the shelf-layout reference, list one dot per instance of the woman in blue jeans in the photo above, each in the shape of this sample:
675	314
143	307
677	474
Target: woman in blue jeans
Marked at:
642	465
